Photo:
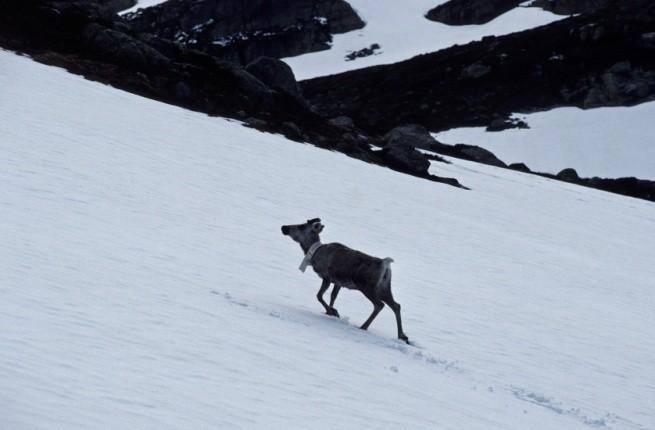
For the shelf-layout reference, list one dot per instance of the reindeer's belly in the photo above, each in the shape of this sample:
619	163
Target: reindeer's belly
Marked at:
346	283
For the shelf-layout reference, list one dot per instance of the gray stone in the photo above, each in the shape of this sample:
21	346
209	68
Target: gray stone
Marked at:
342	121
407	159
411	136
475	71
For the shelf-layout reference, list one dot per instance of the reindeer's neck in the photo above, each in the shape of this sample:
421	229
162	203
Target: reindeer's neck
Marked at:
307	243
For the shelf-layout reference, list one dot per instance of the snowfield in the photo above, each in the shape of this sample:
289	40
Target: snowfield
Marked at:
402	31
142	4
145	283
592	141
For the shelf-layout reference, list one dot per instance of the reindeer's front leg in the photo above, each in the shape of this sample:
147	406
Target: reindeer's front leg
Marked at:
333	297
319	296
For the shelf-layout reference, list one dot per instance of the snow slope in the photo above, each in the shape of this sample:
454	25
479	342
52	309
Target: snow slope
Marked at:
402	31
142	4
608	142
144	281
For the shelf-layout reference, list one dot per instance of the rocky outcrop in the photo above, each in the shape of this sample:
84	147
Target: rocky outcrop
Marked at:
568	175
416	136
570	7
467	12
500	124
406	158
621	84
412	136
362	53
243	30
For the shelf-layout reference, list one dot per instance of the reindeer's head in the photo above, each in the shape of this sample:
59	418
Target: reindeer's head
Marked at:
305	234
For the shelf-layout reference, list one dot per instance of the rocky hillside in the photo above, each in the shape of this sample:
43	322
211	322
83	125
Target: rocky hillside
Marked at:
603	58
241	31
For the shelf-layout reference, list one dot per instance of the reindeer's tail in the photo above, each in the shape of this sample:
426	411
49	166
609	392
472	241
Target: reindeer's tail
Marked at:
385	273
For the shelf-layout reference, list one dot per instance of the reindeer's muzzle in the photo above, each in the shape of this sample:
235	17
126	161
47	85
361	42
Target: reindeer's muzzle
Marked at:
285	230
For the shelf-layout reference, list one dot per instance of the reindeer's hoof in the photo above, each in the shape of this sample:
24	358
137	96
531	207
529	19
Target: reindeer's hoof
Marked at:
333	312
404	338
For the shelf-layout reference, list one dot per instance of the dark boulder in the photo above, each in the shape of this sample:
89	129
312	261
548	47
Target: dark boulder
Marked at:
500	124
257	123
466	12
364	52
342	122
276	74
475	71
406	158
570	7
621	84
648	40
568	175
411	136
481	155
520	167
292	131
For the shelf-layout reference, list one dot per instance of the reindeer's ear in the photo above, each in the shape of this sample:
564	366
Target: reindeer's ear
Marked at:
312	221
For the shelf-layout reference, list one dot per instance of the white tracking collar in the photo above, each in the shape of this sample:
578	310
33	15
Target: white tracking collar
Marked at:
309	255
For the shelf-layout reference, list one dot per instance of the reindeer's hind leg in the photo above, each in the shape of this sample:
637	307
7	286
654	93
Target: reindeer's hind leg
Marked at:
377	307
395	307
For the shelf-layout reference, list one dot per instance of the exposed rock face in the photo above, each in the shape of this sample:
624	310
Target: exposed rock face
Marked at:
604	58
276	74
243	30
127	50
621	84
466	12
118	5
412	136
570	7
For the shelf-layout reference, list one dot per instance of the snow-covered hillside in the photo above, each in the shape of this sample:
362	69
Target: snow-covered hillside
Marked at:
144	281
402	31
592	141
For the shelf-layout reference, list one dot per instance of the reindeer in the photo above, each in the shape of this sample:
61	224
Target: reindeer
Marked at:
345	267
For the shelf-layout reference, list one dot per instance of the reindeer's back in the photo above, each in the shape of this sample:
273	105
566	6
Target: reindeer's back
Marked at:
346	266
